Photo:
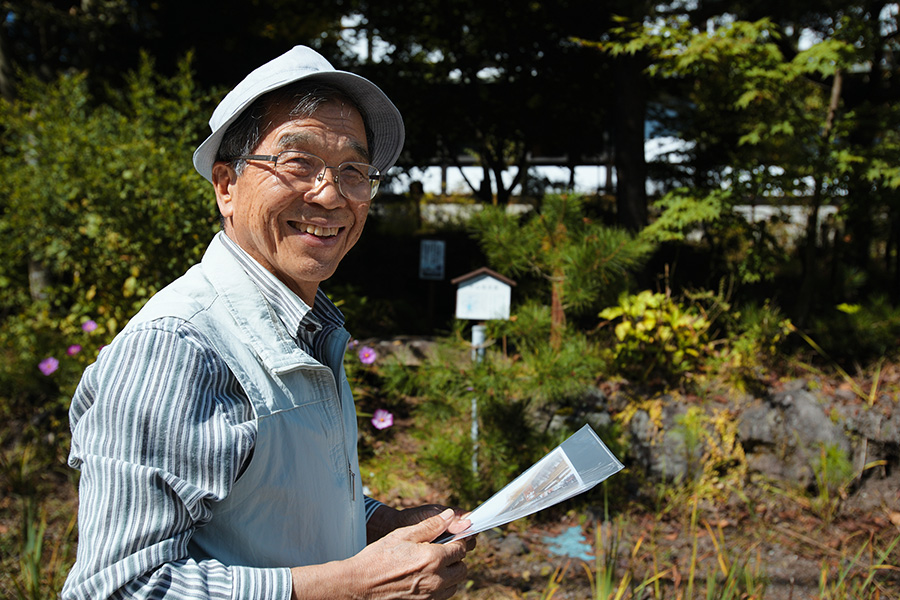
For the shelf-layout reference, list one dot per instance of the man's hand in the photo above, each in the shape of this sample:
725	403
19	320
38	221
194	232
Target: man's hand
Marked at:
402	564
387	519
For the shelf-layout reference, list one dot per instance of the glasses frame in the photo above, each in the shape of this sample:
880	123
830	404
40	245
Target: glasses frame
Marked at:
374	179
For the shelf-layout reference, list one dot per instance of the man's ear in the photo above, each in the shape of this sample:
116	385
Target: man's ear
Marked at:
223	180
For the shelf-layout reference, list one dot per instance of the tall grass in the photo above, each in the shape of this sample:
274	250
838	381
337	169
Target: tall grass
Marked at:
647	574
43	561
855	578
733	573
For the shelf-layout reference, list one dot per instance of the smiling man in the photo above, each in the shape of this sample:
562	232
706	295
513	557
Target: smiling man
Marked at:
284	210
216	435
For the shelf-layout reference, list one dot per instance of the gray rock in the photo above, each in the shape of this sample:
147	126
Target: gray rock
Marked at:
598	420
785	436
512	545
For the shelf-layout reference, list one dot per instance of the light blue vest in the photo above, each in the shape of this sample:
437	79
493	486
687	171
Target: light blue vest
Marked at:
299	502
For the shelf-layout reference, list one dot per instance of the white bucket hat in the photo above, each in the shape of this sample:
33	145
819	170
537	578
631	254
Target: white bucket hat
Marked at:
300	62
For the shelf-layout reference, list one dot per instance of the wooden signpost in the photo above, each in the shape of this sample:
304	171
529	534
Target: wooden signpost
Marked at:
481	295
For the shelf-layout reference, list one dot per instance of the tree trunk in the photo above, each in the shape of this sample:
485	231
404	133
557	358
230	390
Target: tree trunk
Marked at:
7	88
628	140
557	312
810	251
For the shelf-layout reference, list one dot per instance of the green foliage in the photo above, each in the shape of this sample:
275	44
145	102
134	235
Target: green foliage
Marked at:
749	340
42	571
102	201
691	426
747	251
748	85
856	577
548	376
508	440
769	121
859	332
682	210
834	473
514	393
582	260
755	336
656	337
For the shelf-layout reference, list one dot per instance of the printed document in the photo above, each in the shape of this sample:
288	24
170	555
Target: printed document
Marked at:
573	467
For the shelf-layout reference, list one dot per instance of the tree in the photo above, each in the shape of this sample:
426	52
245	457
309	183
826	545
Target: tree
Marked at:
771	122
106	37
105	198
44	37
584	261
499	79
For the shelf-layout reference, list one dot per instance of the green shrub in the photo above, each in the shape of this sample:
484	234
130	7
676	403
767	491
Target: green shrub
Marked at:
858	332
101	207
516	394
750	341
834	474
655	337
508	439
578	260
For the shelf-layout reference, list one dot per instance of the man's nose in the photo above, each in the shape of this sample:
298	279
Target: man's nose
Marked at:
326	189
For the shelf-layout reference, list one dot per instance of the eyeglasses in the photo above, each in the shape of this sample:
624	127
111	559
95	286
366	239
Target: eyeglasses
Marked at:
300	171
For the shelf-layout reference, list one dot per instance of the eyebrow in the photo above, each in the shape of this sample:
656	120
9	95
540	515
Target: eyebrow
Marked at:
298	140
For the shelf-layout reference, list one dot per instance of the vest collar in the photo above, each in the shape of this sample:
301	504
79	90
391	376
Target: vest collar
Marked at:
259	324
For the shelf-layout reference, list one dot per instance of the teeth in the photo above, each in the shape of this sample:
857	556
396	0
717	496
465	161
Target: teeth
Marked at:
318	231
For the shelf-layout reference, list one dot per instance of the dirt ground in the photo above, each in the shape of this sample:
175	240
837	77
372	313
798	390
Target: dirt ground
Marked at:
789	552
776	536
786	545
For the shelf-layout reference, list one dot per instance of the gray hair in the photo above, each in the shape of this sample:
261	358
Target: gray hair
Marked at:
246	133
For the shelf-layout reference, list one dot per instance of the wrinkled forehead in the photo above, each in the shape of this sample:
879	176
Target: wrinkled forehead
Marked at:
333	122
306	100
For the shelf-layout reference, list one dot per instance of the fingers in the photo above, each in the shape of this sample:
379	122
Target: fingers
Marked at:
452	576
403	564
459	524
455	573
427	530
416	514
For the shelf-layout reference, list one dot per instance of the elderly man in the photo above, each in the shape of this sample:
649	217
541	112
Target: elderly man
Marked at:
216	435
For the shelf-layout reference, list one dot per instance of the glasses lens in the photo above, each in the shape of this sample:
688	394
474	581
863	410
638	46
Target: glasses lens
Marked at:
358	181
299	167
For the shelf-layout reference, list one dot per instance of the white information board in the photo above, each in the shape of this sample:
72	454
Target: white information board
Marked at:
482	298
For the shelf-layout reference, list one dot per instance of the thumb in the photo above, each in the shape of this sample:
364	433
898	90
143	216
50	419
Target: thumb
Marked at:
428	529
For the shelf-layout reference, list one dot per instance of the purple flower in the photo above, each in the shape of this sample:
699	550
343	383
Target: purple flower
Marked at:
48	365
353	343
382	419
73	349
367	355
89	325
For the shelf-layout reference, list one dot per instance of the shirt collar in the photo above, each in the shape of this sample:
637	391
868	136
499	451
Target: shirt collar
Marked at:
304	323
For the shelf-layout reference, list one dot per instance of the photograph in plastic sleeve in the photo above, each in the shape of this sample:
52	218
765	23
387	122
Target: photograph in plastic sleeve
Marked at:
551	480
534	487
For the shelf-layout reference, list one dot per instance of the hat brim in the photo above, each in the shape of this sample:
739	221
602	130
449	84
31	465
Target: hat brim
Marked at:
380	115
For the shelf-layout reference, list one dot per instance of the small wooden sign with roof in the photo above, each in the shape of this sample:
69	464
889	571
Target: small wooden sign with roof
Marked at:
483	295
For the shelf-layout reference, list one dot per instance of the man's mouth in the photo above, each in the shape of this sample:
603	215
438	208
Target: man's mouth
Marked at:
316	230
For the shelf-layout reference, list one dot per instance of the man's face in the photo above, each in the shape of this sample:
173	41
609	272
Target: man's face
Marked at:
300	236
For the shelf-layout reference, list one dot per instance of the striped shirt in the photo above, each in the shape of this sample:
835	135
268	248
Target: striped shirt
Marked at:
141	496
